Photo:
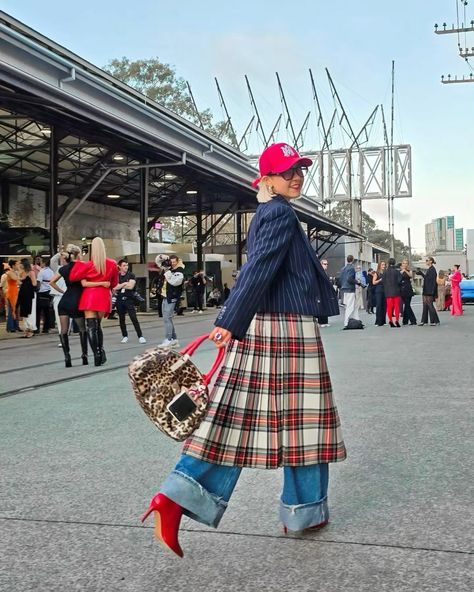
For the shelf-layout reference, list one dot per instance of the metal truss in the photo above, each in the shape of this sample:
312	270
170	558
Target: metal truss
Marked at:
402	168
362	173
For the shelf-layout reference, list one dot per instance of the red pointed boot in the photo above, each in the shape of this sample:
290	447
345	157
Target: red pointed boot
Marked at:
167	518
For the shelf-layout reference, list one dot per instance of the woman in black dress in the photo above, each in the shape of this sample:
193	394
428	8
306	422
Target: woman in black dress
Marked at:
379	292
407	292
68	307
27	298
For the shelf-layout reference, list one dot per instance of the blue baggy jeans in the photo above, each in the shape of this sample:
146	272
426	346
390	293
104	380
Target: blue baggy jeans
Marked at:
168	308
204	489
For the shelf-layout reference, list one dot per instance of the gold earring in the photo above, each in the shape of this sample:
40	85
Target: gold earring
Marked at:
271	189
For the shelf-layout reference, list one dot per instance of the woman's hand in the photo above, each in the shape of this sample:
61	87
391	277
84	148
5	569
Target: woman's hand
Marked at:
220	336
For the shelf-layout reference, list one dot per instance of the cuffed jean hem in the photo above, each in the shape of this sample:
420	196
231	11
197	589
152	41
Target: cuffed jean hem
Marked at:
303	516
197	502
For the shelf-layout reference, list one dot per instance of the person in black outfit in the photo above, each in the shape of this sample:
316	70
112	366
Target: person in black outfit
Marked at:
226	292
68	307
198	283
379	294
124	303
430	292
324	321
407	293
370	291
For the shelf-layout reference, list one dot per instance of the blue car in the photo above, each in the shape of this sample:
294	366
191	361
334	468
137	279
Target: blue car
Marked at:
467	289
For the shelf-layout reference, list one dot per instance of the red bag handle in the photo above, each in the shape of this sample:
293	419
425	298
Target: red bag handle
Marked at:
192	347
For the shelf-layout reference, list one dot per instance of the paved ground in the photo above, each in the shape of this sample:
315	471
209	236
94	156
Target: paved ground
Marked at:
79	462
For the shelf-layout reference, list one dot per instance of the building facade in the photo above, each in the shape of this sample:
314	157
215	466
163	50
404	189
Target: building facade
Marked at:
442	235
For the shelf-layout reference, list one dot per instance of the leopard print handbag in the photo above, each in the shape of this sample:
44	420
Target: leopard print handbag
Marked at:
171	390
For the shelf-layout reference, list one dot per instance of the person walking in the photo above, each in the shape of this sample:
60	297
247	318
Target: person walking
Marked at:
347	280
380	305
391	281
124	301
96	301
456	278
198	283
407	293
430	290
272	404
324	321
27	298
172	289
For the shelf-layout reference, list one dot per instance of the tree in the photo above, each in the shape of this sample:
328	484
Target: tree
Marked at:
342	214
159	82
383	239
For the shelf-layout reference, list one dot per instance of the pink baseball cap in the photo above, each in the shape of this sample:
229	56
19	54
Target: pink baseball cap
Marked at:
278	158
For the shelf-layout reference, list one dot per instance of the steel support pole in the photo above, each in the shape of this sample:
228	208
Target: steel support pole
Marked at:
199	235
144	182
238	241
5	197
53	191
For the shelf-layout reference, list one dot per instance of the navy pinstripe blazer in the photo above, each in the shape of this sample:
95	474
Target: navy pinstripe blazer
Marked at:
282	273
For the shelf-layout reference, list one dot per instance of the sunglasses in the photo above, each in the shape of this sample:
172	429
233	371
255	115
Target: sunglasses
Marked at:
290	173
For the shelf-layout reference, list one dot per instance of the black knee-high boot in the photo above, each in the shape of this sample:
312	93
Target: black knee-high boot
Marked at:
92	333
64	339
83	338
100	336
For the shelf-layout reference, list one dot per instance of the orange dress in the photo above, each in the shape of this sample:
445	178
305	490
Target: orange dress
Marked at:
12	293
98	299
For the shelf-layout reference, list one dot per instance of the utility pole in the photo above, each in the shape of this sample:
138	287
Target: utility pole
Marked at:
464	53
392	189
409	248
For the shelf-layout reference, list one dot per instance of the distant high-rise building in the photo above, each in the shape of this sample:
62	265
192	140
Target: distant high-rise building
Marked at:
441	235
459	239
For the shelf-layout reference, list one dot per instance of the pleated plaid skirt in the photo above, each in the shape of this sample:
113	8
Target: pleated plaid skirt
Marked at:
272	403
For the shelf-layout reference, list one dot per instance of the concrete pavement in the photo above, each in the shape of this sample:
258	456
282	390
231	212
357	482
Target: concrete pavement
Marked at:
80	462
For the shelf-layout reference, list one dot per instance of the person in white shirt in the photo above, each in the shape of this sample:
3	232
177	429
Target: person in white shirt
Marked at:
43	301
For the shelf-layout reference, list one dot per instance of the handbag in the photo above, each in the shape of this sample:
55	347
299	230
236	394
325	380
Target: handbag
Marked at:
171	390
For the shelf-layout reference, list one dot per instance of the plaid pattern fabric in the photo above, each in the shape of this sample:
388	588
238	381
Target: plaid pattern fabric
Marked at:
272	403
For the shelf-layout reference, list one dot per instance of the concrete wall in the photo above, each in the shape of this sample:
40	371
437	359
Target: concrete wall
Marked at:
28	208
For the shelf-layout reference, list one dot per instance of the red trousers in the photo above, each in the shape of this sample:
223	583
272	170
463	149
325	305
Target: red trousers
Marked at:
393	307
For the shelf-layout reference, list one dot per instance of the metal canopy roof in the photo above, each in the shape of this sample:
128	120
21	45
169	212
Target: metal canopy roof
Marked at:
102	123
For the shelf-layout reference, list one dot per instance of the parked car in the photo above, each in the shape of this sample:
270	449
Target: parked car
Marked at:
467	289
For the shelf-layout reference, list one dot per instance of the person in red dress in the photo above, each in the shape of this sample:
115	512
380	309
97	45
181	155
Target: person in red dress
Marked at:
96	302
456	278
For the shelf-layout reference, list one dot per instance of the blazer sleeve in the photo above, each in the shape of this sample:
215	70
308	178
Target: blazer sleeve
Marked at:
113	277
271	243
79	271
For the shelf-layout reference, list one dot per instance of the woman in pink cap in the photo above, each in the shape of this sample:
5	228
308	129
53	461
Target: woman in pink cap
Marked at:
272	404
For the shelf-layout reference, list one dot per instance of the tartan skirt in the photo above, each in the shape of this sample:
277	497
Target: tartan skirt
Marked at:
272	403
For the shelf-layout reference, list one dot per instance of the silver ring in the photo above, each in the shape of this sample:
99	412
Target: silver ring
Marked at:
218	336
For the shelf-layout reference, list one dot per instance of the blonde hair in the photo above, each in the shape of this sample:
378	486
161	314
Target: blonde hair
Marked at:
98	254
264	193
71	250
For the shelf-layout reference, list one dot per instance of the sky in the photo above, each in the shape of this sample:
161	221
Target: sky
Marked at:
356	41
